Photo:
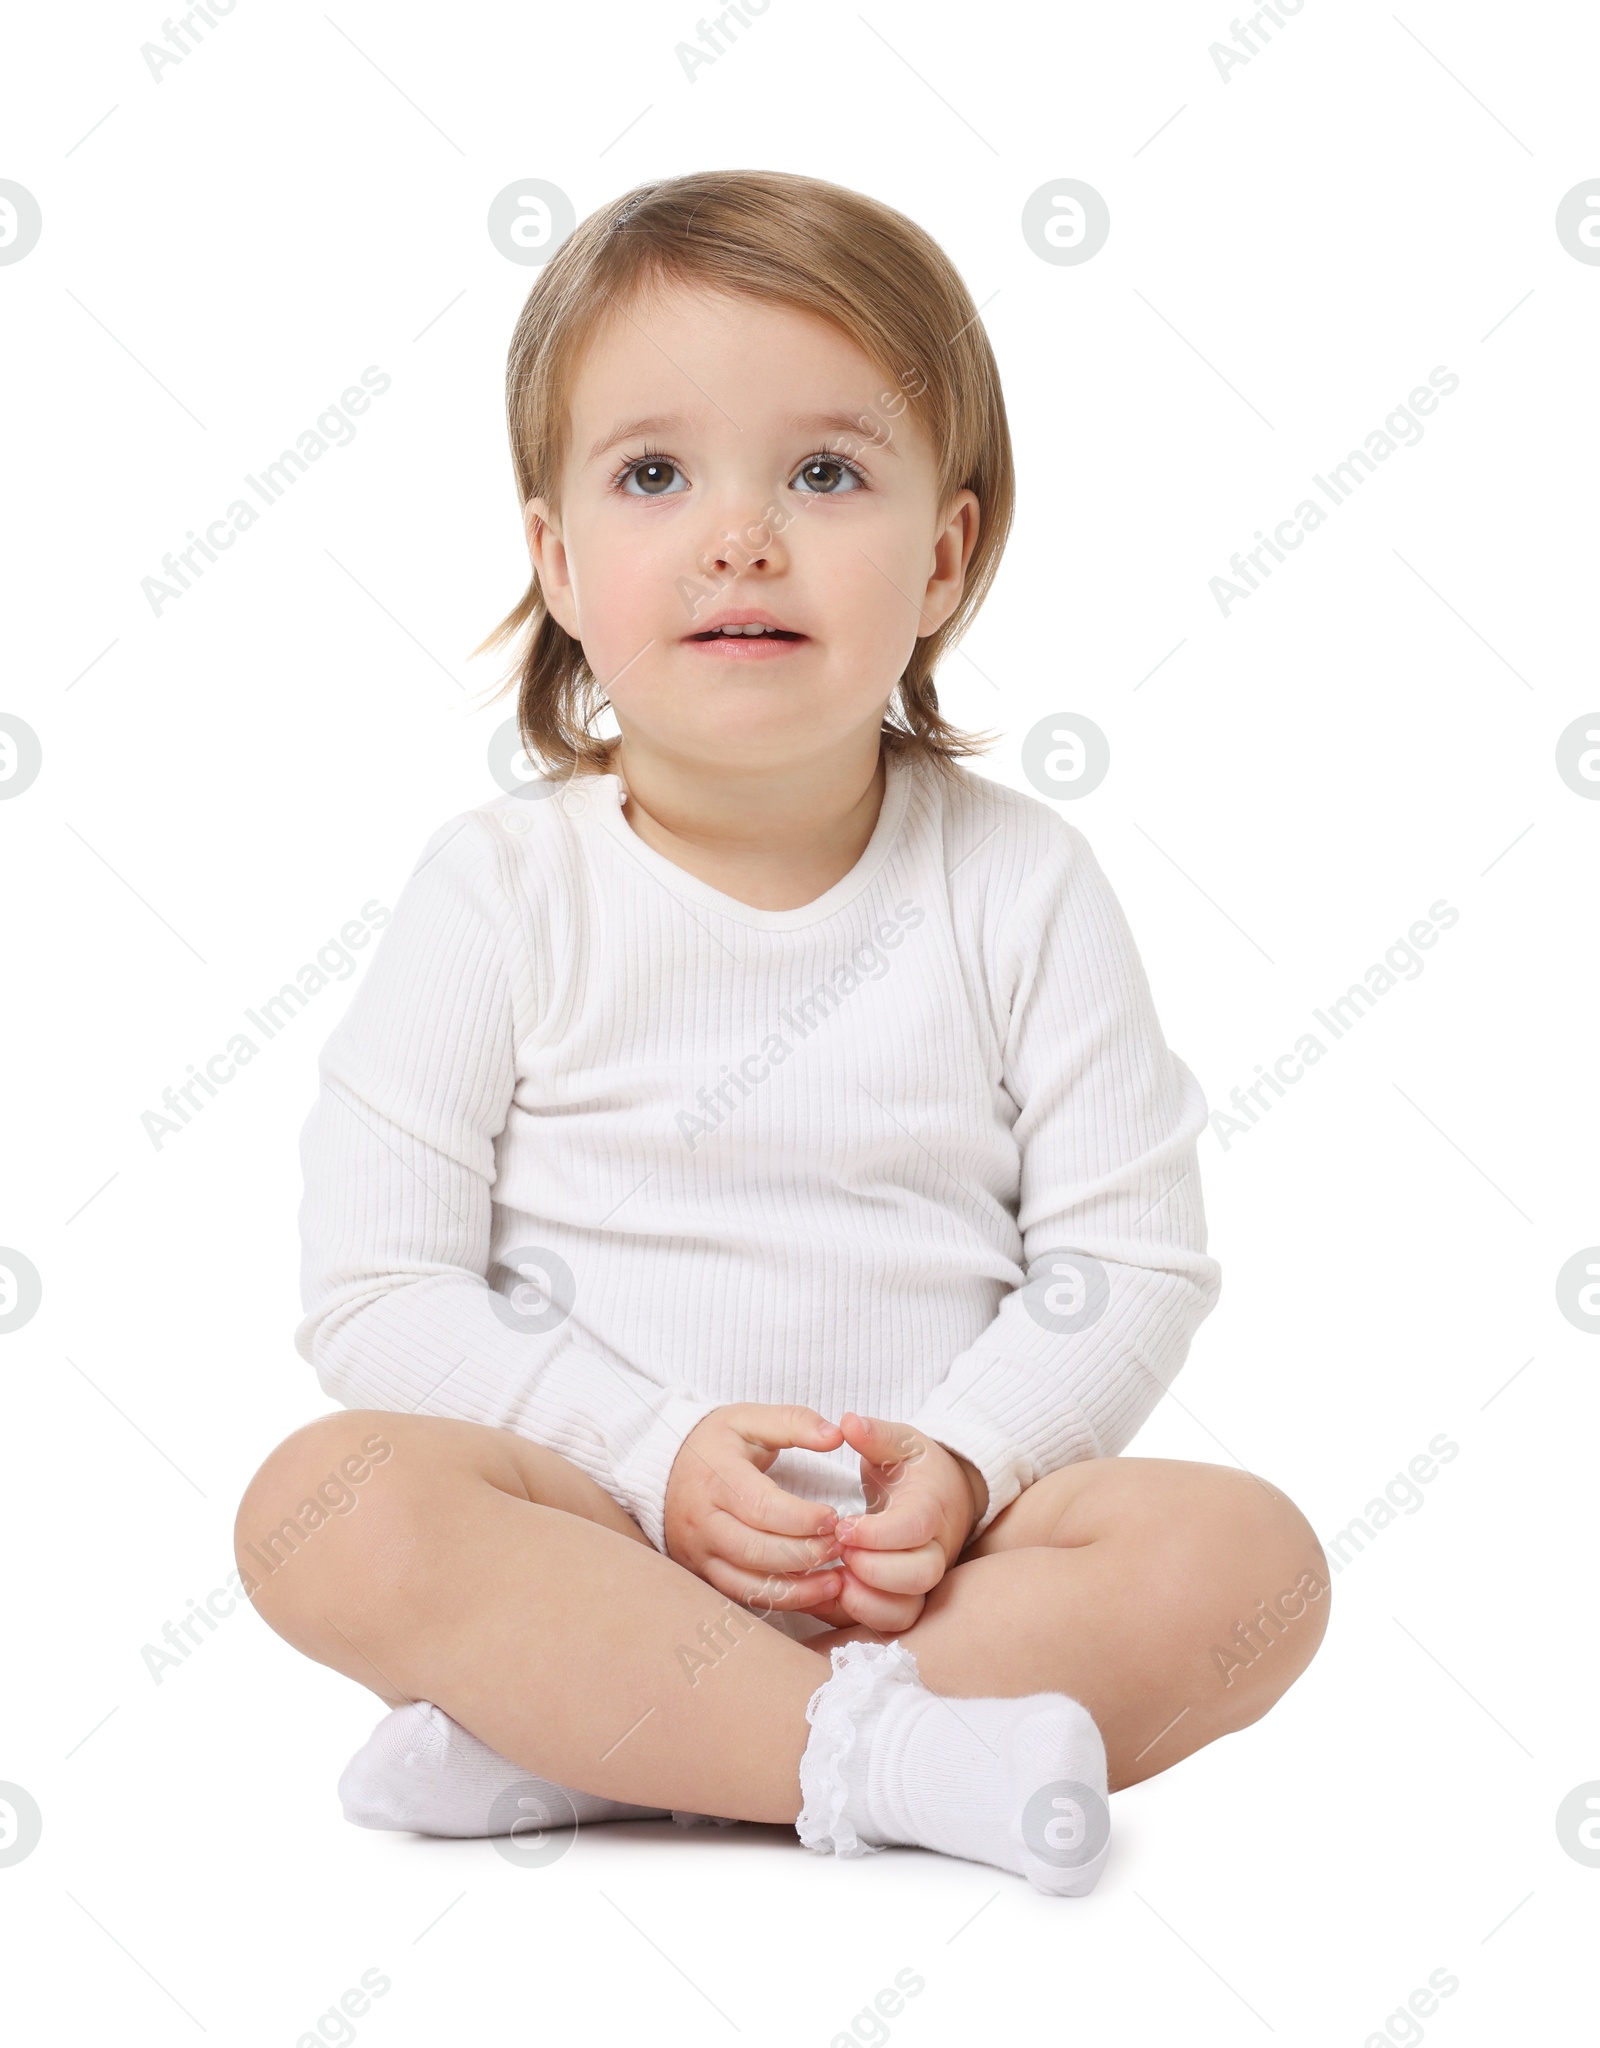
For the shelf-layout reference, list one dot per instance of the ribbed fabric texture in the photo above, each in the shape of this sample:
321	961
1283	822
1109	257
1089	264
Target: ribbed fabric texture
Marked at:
805	1155
1019	1783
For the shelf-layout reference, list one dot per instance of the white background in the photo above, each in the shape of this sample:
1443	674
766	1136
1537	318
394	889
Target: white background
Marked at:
1291	787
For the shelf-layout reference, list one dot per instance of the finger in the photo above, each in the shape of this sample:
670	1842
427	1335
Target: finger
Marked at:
727	1478
910	1520
778	1426
887	1613
726	1536
765	1591
761	1503
898	1571
819	1589
890	1453
834	1615
884	1444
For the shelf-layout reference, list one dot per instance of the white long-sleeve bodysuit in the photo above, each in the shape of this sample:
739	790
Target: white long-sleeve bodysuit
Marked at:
704	1153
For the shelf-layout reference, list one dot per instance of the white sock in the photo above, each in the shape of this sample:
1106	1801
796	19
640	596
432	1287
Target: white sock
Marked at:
420	1770
1018	1783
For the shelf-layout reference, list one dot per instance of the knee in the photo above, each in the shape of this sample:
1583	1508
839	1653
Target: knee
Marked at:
1271	1590
320	1501
1232	1584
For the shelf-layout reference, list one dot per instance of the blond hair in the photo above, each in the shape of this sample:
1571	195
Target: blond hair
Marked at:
796	241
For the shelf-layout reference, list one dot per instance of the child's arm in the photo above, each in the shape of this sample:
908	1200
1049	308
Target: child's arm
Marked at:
1108	1122
399	1160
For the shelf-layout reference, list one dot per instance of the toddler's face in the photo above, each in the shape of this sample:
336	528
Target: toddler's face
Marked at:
734	462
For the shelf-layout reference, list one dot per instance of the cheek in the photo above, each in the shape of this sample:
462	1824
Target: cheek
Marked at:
620	586
874	581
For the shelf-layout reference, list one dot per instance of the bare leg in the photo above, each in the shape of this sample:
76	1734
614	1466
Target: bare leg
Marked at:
1175	1601
482	1572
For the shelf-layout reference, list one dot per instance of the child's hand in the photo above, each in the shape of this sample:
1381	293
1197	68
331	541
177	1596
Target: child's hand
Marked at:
921	1506
738	1530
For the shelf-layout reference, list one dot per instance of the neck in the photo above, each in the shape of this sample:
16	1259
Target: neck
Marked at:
789	832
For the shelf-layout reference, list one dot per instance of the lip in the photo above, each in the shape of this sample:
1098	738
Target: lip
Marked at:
757	648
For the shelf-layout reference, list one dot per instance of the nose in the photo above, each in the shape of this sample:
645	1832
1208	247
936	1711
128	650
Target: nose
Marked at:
745	536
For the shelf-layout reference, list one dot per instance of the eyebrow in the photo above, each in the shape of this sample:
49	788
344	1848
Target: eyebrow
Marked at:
841	423
668	423
630	430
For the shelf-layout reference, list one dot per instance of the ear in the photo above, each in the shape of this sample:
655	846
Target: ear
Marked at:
952	551
548	554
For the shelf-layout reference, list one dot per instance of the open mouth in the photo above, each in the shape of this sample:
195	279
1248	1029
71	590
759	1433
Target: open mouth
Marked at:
747	633
745	636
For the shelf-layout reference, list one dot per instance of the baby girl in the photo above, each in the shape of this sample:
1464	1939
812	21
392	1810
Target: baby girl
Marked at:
751	1204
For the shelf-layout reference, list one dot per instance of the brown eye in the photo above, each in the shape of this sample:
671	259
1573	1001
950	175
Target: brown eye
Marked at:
654	478
825	476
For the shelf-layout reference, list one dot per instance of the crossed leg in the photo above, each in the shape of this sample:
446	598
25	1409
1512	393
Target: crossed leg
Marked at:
1176	1601
482	1572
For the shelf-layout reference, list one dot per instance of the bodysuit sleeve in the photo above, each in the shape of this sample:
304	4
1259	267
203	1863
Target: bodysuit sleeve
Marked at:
1117	1279
399	1160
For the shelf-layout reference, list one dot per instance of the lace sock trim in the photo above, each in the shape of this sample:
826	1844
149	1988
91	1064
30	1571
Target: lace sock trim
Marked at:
862	1672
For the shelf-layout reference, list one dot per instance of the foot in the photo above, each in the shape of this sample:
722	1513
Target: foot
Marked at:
421	1771
1016	1783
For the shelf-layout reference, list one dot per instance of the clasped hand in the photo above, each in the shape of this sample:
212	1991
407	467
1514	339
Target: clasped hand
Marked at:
763	1546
